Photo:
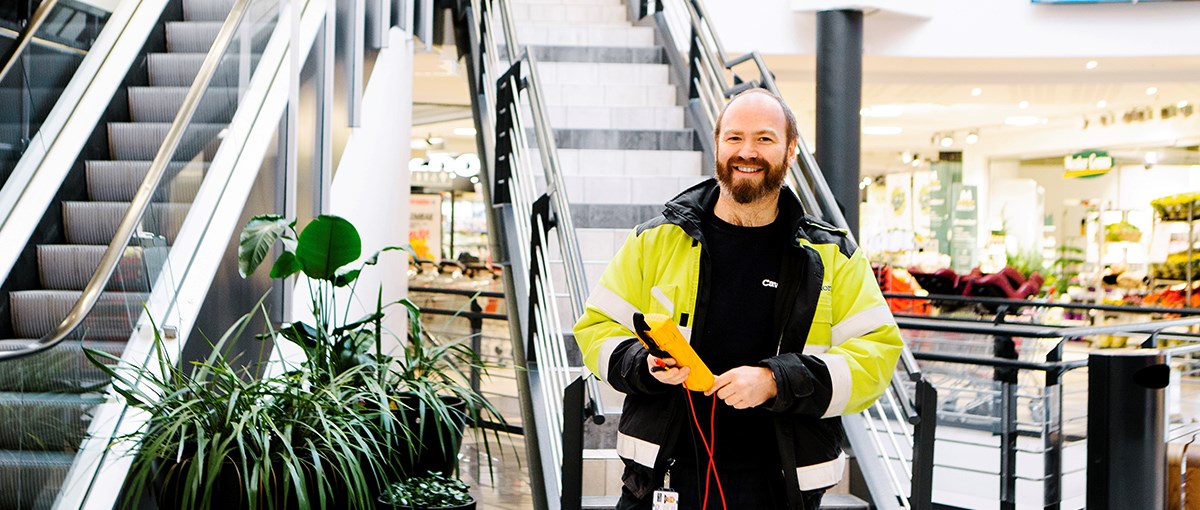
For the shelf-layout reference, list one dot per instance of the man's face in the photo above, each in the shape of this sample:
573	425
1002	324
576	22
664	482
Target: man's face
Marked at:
752	149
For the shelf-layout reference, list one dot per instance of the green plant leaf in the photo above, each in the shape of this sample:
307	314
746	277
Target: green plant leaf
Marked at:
346	278
285	266
326	244
300	334
256	239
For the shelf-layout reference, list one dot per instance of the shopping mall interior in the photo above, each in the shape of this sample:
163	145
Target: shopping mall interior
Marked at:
438	186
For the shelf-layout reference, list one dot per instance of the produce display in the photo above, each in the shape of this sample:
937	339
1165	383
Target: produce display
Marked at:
1175	268
1122	232
1177	207
1172	297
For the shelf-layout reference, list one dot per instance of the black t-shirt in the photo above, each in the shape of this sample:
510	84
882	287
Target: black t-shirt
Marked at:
743	280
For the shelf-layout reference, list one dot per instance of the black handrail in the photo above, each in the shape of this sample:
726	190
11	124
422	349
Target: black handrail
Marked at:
458	292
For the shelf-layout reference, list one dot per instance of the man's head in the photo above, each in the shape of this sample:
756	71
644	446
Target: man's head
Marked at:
756	138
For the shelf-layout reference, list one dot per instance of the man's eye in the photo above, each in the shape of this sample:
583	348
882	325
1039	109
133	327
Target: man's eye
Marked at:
766	139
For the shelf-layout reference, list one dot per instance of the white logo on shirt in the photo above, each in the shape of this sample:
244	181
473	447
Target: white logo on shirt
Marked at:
769	283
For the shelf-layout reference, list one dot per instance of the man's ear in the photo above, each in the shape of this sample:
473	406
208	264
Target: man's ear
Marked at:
792	154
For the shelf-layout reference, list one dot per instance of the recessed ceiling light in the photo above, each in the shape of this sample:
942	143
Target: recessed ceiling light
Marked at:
1091	64
464	131
881	130
947	141
976	91
1151	91
1023	105
1182	104
1101	104
972	137
1026	120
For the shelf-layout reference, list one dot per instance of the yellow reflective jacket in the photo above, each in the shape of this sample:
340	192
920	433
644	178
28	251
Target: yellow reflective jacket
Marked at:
837	351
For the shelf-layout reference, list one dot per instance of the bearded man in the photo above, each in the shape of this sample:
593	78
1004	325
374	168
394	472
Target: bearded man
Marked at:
782	307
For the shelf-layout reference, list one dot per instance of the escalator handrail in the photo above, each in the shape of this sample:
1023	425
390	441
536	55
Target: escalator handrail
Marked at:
35	22
141	201
45	43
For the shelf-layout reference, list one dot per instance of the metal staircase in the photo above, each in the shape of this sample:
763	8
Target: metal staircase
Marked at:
589	124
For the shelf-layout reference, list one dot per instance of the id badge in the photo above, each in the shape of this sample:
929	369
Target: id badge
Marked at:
666	499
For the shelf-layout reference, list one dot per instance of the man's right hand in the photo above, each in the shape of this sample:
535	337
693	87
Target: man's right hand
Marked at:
666	371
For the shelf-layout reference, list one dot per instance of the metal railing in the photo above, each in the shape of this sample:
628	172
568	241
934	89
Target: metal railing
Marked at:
505	82
1011	381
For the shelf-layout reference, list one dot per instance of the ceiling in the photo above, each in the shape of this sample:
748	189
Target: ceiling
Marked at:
919	100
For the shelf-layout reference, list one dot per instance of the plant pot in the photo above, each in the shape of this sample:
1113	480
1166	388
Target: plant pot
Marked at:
380	505
433	445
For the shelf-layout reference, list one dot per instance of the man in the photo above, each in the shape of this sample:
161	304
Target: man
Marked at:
782	308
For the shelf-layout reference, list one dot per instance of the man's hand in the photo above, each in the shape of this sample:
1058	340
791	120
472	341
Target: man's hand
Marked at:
744	387
665	371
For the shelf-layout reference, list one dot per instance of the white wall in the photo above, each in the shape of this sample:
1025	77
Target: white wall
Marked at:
974	29
372	183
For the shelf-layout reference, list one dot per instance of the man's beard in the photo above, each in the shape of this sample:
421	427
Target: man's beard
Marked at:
750	190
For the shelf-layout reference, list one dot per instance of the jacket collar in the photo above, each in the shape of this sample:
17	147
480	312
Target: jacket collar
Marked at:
689	207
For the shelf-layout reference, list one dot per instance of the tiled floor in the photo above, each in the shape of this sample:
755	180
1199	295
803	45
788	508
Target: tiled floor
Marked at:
505	486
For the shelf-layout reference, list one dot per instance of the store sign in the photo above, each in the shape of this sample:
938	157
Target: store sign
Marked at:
1087	164
425	225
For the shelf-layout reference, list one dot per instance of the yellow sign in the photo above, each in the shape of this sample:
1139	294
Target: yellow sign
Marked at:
1087	164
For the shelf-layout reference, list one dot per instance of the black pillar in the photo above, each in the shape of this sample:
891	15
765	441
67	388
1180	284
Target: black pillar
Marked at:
839	99
1126	455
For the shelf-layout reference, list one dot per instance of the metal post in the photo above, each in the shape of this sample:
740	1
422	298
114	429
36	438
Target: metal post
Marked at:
1004	347
921	494
572	436
1126	455
1052	435
839	99
476	339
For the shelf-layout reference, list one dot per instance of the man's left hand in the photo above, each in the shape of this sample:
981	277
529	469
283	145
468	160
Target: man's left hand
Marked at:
744	387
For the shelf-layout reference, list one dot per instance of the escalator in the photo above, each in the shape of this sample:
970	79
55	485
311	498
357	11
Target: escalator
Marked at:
101	257
534	102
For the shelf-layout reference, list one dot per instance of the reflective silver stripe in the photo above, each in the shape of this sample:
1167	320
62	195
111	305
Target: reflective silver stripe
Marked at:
687	333
662	298
606	349
861	323
638	450
819	476
615	307
839	382
812	349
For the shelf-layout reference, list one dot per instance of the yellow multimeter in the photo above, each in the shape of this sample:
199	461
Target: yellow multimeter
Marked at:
663	339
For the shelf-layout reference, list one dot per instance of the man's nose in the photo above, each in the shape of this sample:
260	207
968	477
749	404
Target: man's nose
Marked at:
748	150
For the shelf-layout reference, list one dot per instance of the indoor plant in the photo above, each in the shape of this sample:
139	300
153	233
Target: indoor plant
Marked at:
430	393
218	436
432	492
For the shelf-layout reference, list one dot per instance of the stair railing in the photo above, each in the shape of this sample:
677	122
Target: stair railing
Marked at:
711	80
531	204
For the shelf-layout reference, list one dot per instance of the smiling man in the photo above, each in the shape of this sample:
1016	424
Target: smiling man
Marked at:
783	308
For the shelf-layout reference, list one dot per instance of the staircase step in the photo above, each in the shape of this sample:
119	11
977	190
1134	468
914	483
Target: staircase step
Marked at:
566	2
45	421
206	10
626	162
598	54
96	222
843	502
140	141
62	369
537	34
118	181
179	69
625	189
31	478
624	139
613	215
582	14
192	36
608	95
162	104
629	117
70	266
35	313
591	73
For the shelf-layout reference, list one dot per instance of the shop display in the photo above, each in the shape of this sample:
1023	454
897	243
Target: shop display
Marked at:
1176	266
1182	207
1122	232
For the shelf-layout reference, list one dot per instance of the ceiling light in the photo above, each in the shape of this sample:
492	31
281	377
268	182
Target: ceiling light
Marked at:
881	130
864	183
886	110
1025	120
916	162
464	131
1101	104
946	141
976	91
1151	91
972	137
1023	105
1151	158
906	157
417	144
435	140
1182	104
1091	64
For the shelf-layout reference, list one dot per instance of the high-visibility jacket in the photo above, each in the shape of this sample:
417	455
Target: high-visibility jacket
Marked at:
837	351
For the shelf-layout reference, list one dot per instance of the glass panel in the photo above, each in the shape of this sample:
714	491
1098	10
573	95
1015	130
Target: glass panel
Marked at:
36	79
